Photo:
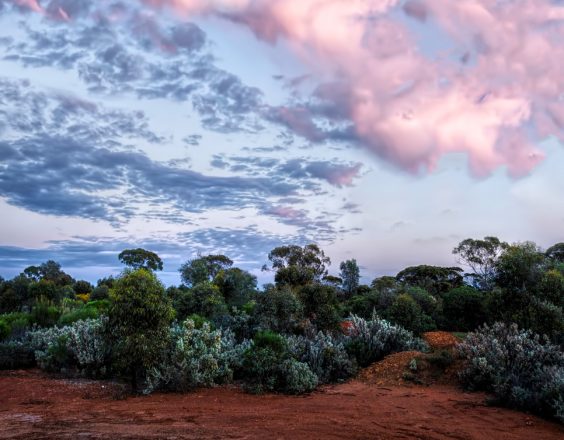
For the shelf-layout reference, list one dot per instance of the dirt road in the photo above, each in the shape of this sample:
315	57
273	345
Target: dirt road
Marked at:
35	406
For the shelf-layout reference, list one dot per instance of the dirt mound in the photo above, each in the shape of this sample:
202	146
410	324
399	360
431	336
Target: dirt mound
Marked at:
34	406
391	370
440	340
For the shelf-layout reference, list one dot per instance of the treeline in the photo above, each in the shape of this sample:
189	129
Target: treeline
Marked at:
517	283
305	329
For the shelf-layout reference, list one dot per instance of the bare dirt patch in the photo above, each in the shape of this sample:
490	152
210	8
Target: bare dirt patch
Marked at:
35	406
440	340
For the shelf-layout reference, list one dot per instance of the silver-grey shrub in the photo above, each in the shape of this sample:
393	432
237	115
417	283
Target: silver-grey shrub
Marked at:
325	355
81	346
371	340
195	358
522	369
297	377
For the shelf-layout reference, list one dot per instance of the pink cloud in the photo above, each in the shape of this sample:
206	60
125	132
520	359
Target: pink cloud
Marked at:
410	108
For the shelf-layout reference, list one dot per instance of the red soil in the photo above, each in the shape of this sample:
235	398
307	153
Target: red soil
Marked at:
440	340
35	406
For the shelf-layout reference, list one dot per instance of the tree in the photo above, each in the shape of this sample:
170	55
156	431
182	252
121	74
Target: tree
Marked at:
141	259
481	256
48	271
556	252
464	309
350	274
406	312
296	266
139	318
203	268
82	287
207	300
434	279
520	267
279	309
321	306
236	285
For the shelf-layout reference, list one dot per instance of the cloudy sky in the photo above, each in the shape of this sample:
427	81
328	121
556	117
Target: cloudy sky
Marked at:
384	130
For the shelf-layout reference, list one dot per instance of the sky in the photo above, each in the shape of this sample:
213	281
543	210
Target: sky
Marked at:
384	130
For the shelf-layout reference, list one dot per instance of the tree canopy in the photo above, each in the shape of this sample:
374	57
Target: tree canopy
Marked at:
141	259
481	256
296	265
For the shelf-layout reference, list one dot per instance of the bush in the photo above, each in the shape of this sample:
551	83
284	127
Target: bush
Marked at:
80	346
261	362
5	330
18	322
278	309
16	354
100	292
325	356
406	312
78	315
464	309
370	341
44	313
194	358
522	369
139	321
297	377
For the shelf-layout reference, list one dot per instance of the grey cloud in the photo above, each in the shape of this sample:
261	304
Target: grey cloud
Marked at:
61	177
248	247
161	61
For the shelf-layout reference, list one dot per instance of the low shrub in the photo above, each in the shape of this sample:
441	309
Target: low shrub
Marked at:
269	366
195	357
16	354
44	314
441	359
5	329
78	315
325	355
81	346
522	369
297	377
369	341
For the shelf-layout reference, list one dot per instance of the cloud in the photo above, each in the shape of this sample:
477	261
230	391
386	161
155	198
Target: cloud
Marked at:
248	247
62	155
302	170
129	51
493	95
62	177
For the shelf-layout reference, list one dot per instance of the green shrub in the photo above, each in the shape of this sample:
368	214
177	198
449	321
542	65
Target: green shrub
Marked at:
139	319
278	309
5	330
441	359
100	292
262	362
198	320
464	309
268	365
44	314
78	315
15	355
406	312
522	369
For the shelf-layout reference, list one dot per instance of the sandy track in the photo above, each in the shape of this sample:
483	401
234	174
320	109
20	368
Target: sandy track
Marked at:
35	406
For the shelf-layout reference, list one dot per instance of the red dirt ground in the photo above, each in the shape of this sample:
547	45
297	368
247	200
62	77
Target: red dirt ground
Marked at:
440	340
35	406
